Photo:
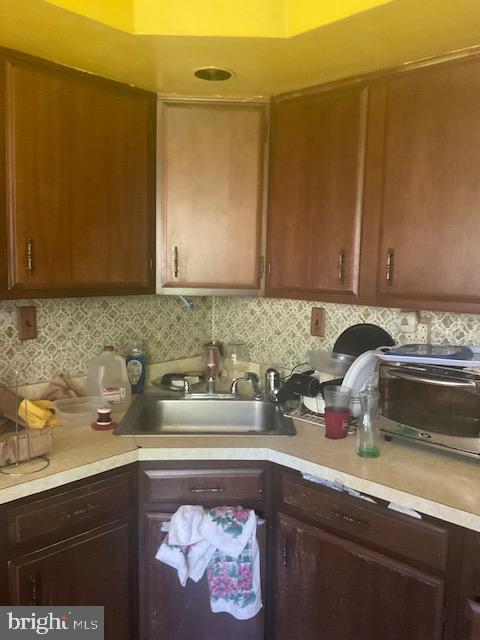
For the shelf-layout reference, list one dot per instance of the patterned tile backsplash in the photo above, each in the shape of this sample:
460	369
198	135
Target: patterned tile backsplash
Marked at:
278	331
71	331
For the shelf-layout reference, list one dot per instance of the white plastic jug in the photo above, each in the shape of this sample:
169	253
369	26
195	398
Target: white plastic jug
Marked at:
107	377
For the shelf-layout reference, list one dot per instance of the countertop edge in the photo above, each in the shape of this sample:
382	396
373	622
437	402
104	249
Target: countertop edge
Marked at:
429	507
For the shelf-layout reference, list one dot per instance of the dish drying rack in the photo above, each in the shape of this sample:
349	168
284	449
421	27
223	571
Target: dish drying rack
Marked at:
26	461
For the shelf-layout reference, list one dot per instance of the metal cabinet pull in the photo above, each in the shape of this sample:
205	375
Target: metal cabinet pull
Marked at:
35	588
389	267
346	518
285	550
81	511
207	490
341	267
175	262
29	257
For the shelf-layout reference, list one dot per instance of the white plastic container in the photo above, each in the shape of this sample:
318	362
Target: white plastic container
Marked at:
77	412
107	377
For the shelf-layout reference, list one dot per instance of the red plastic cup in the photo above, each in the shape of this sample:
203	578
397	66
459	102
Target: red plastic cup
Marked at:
337	411
336	423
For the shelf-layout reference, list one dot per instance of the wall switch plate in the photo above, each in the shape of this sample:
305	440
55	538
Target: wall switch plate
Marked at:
317	323
407	321
27	323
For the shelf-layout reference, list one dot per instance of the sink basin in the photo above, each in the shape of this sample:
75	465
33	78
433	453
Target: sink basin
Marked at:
153	415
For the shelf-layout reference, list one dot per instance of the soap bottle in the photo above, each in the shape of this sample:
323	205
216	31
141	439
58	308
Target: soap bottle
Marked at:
368	438
107	377
136	366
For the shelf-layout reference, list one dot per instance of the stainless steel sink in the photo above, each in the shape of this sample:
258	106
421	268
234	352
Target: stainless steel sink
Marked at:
152	415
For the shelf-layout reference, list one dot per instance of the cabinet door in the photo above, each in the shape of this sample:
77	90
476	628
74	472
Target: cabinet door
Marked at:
90	569
327	587
169	610
80	183
469	599
212	195
315	194
427	192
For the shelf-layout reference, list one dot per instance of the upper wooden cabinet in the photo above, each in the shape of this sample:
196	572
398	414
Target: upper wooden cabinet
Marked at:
211	195
423	188
315	194
79	154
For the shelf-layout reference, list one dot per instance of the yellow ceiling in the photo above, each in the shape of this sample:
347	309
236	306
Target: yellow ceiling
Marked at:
249	18
350	37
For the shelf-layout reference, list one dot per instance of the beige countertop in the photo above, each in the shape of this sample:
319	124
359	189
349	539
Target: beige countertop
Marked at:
431	482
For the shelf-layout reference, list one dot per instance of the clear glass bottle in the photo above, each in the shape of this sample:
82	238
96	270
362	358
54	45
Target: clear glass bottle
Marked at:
368	437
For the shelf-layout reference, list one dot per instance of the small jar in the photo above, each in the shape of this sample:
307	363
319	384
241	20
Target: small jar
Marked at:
104	417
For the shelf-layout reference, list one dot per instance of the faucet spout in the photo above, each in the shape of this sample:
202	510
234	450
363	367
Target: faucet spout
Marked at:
253	378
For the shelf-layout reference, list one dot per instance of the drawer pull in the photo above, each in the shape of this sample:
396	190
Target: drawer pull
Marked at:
29	257
35	588
285	550
207	490
341	267
81	511
175	262
389	267
349	519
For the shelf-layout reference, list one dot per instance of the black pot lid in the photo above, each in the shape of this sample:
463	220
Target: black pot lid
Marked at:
362	337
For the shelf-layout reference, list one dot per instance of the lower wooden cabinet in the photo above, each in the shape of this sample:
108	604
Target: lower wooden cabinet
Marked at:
75	546
168	610
469	605
183	613
88	569
333	567
327	587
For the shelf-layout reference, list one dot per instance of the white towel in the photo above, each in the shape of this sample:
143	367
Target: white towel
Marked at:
222	540
229	528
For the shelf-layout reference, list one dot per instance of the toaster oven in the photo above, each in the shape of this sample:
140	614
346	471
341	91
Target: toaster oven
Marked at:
435	405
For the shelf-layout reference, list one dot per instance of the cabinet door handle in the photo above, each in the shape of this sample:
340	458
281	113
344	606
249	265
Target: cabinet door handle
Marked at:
341	267
285	550
35	588
207	490
29	257
175	262
346	518
389	267
81	511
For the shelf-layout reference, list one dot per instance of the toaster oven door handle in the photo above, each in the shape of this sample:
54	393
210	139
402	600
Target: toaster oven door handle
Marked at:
442	382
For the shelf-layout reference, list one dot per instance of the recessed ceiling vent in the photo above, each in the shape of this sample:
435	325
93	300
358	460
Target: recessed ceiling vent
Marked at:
213	74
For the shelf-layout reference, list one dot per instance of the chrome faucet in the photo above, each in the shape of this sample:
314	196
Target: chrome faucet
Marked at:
253	378
211	384
187	390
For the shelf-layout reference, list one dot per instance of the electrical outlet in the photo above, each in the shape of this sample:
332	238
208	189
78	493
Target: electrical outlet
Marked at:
423	332
27	323
317	323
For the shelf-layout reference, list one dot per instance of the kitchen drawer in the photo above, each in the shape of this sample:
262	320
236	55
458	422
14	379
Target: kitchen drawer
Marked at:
197	486
85	506
420	542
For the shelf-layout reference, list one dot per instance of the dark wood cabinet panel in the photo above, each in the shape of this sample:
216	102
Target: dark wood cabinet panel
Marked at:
80	169
469	597
183	613
212	193
423	543
423	188
325	586
198	486
315	194
88	569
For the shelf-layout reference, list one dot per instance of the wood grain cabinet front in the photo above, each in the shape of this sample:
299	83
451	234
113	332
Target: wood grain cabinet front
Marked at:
328	587
317	149
211	188
423	188
79	159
